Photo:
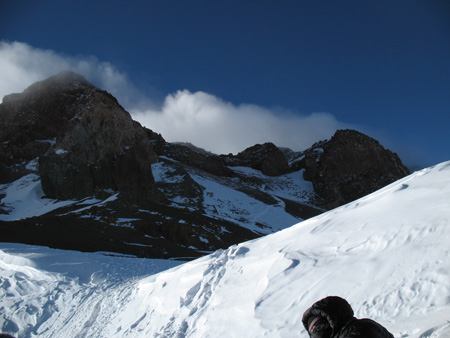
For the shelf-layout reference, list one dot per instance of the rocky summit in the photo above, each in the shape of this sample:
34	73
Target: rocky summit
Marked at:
266	157
76	172
85	141
348	166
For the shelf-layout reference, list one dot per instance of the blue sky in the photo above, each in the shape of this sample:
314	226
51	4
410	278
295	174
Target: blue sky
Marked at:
218	72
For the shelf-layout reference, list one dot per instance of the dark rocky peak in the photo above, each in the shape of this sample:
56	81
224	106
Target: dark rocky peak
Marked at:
63	83
39	101
348	166
194	148
31	120
267	158
41	110
85	141
189	155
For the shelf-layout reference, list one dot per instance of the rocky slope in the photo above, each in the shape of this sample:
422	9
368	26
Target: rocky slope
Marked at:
77	172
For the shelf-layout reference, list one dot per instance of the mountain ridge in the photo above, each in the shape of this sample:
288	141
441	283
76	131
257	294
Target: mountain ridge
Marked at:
76	146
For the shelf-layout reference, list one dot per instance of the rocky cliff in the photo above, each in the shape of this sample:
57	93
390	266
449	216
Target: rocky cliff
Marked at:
189	155
76	172
85	141
30	121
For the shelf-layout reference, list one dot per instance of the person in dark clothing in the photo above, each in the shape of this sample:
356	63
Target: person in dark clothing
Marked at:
332	317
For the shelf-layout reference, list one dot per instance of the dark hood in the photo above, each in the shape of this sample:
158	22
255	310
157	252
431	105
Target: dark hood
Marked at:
336	309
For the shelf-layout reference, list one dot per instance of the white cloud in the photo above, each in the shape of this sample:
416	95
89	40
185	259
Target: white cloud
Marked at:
21	65
221	127
199	118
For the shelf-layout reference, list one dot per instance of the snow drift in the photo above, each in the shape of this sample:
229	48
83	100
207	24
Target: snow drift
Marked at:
386	253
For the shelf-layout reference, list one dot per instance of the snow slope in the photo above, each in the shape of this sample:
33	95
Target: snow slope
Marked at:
387	254
222	198
24	198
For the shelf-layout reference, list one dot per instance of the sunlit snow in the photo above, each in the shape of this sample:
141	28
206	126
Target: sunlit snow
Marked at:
387	254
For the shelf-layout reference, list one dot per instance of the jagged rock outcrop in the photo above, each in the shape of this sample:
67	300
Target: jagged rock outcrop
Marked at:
267	158
349	166
86	142
210	163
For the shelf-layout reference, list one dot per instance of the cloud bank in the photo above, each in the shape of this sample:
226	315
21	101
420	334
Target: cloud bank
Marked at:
199	118
221	127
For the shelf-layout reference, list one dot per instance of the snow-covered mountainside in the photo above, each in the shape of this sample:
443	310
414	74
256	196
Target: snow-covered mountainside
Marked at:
203	212
221	198
251	199
386	253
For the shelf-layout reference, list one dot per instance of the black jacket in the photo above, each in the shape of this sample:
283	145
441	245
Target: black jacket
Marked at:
339	314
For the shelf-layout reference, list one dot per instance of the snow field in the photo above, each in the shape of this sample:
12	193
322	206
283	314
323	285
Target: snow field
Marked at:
386	253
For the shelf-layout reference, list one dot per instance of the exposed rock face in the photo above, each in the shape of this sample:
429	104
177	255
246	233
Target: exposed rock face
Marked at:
31	120
266	157
86	142
210	163
349	166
